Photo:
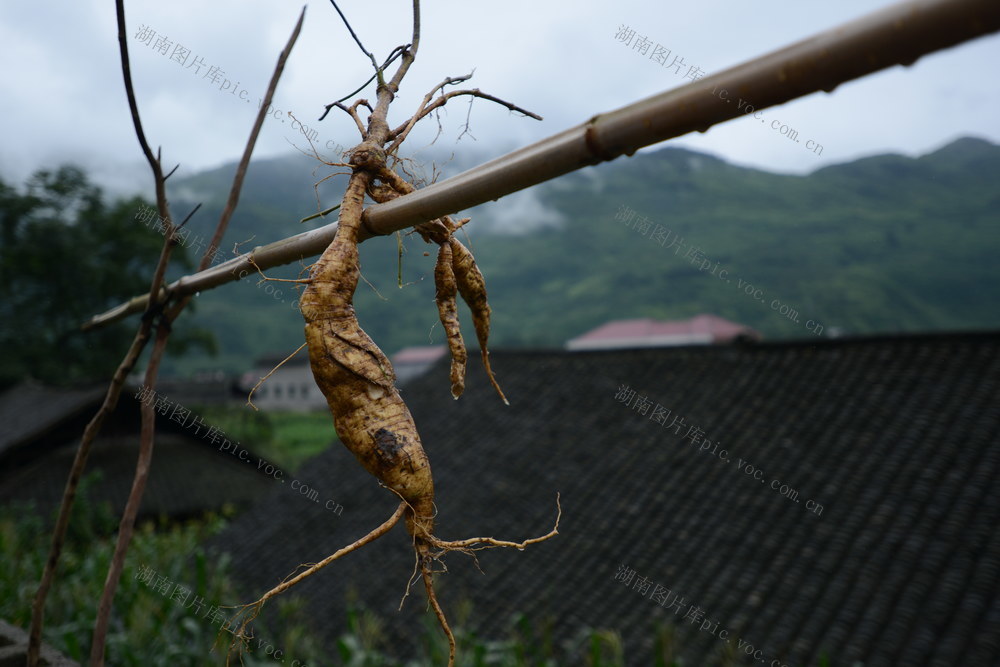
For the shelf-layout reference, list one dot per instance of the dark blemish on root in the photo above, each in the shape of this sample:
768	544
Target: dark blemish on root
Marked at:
388	447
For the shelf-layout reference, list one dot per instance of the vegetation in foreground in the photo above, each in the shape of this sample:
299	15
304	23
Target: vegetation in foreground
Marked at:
172	588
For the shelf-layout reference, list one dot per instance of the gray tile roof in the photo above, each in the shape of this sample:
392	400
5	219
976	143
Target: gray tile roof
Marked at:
897	438
189	475
31	410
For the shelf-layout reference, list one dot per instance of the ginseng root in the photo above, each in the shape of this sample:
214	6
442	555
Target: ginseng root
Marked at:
358	382
463	275
354	375
444	281
472	287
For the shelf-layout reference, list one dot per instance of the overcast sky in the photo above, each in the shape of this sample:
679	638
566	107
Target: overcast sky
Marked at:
62	98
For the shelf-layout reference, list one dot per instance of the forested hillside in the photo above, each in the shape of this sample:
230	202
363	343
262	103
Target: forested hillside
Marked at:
883	244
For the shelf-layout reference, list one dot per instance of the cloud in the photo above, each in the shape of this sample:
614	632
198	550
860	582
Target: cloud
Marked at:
62	97
517	214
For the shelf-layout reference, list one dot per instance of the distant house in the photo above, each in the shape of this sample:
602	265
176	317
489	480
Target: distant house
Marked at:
817	500
40	430
645	332
411	362
214	388
290	387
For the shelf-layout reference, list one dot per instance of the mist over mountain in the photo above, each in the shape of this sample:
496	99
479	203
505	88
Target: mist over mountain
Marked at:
882	244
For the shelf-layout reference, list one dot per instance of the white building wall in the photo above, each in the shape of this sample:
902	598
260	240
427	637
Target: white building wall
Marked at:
289	388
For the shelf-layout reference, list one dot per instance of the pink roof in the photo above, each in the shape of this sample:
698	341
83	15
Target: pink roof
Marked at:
646	332
418	354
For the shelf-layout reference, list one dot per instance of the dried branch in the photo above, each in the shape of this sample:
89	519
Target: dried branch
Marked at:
475	92
396	52
127	523
409	53
241	170
355	36
69	494
401	132
386	92
352	111
187	218
124	368
404	130
155	301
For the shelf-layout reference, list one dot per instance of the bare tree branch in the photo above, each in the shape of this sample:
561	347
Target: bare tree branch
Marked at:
396	52
352	111
475	92
156	299
241	170
409	53
401	132
69	495
425	109
356	39
127	523
124	368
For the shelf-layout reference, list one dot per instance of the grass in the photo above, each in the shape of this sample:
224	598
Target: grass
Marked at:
169	592
287	439
302	435
174	596
172	590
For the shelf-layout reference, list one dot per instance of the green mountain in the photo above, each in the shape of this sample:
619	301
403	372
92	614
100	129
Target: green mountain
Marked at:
883	244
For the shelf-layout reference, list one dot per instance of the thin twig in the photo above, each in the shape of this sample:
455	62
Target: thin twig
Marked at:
144	459
409	54
354	35
475	92
271	372
124	368
248	612
127	524
320	214
396	52
352	111
186	219
403	130
241	170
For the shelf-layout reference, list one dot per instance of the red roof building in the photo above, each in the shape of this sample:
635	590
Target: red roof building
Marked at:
645	332
411	362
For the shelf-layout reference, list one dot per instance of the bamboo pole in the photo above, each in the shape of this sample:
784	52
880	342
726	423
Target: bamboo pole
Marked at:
898	34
